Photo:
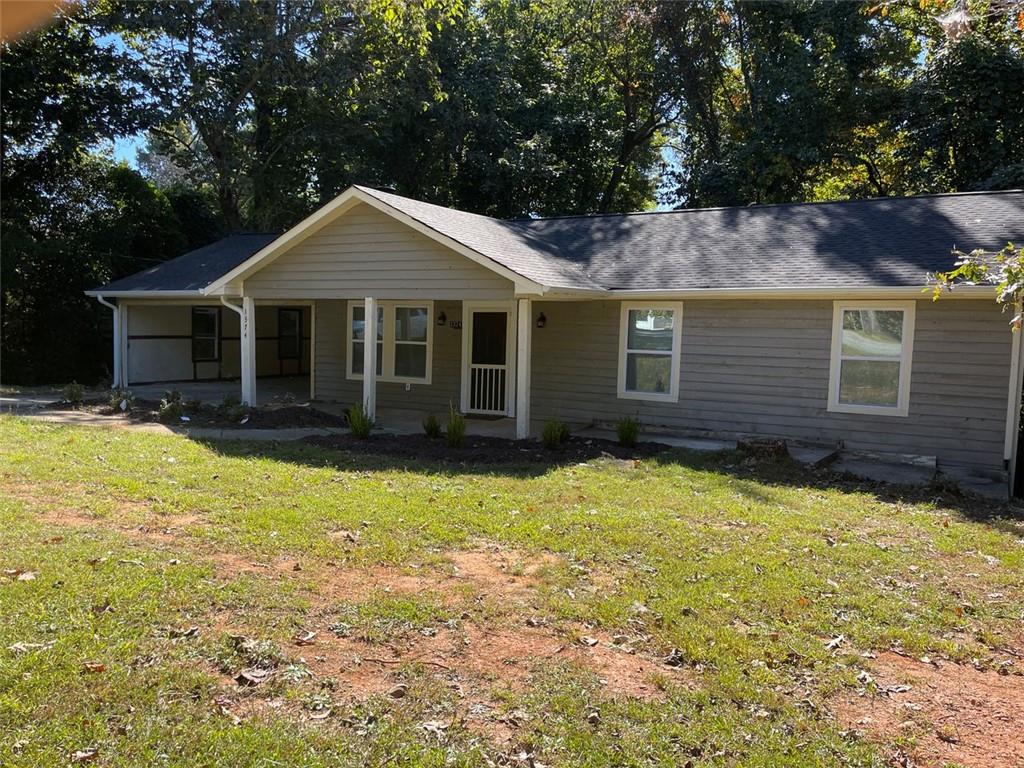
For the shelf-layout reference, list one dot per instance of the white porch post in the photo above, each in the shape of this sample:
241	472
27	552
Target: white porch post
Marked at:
118	314
248	350
370	357
524	351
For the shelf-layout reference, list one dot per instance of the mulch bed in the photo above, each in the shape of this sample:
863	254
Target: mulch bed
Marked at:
486	450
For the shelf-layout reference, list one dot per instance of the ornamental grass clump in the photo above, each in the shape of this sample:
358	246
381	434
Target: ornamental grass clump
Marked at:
455	434
628	430
432	427
359	421
555	433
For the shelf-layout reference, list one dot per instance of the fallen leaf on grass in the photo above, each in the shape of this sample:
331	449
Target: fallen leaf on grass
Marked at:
588	641
85	755
21	648
304	638
835	642
175	634
94	666
675	658
252	677
434	728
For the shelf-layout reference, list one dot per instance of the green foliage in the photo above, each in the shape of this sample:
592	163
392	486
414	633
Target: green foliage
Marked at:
965	116
232	409
171	407
121	400
1003	270
431	427
455	433
73	393
359	422
555	433
192	406
628	430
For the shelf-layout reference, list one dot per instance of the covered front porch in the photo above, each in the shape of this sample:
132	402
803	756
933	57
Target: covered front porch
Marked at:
430	357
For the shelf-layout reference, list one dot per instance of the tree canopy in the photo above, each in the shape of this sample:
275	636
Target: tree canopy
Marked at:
252	113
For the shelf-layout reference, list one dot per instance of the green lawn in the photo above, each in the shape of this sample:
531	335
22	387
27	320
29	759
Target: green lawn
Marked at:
167	566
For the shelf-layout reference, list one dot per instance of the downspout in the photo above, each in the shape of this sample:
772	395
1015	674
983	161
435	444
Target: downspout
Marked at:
117	340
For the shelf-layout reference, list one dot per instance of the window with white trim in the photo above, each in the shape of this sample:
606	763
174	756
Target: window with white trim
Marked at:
649	340
871	357
405	340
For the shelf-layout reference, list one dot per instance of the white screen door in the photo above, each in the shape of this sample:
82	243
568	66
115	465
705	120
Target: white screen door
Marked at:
489	375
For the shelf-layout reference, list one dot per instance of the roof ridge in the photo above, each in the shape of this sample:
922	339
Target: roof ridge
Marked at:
758	206
376	192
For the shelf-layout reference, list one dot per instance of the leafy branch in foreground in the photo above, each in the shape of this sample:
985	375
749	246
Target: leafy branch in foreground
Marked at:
1004	270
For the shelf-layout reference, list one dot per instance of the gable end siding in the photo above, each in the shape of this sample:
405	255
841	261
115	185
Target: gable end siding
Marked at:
366	253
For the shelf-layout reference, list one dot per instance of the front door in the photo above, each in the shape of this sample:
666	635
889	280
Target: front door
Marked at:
487	373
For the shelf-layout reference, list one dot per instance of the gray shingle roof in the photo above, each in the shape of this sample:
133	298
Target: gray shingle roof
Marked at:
195	269
862	243
854	244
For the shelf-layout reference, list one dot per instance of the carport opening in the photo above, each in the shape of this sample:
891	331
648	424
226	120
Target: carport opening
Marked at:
196	349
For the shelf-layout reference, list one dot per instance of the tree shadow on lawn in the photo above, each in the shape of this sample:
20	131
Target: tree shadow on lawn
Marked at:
527	459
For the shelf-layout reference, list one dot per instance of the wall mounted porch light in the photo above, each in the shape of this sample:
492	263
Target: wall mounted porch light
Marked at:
442	318
541	320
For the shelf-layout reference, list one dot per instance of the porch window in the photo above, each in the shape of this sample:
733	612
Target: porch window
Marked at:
405	338
205	336
411	342
289	334
649	341
356	333
871	354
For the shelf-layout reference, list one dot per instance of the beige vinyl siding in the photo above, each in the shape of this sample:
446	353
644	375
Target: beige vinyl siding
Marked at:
761	368
366	253
332	348
160	344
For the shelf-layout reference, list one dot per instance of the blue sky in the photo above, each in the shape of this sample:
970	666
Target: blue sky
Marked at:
124	148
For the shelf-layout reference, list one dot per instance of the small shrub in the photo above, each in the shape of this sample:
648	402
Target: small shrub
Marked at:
432	427
455	435
628	429
555	433
359	422
193	405
171	407
232	409
121	400
73	393
229	401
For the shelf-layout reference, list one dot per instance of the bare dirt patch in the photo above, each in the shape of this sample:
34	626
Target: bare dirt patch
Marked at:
951	713
476	658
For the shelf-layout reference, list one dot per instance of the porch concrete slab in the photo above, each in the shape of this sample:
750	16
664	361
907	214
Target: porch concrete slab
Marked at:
992	484
894	473
675	441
